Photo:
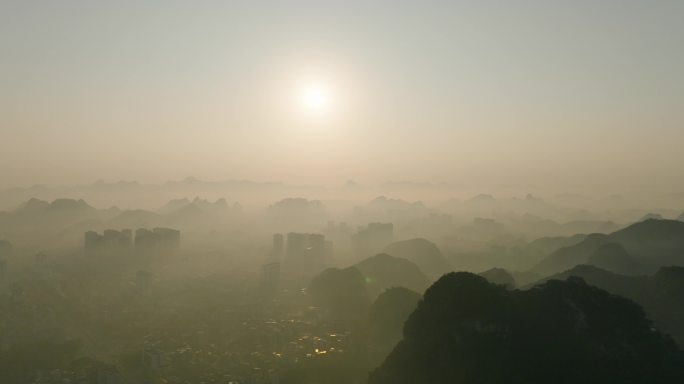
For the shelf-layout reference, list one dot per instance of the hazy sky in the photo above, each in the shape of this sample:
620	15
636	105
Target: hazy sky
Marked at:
570	93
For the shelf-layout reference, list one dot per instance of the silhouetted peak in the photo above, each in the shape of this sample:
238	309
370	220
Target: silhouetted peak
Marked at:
575	280
595	238
70	205
611	250
385	202
388	313
669	284
194	206
652	216
384	271
397	294
191	209
559	331
181	202
499	276
482	198
33	204
423	253
297	202
653	227
457	285
584	269
613	257
381	258
174	205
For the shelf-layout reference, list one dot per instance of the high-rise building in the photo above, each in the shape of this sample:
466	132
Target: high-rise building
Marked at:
296	245
278	247
110	241
169	239
155	241
306	246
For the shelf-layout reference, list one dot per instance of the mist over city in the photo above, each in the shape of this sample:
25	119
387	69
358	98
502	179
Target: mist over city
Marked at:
303	192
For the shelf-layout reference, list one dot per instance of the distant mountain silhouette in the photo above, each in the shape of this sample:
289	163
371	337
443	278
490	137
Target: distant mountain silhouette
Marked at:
627	286
298	212
681	217
567	257
297	203
32	205
466	330
484	228
59	214
385	203
651	243
590	226
384	271
58	205
651	216
499	276
69	205
538	226
423	253
179	205
188	213
136	218
661	295
174	205
548	245
614	257
386	318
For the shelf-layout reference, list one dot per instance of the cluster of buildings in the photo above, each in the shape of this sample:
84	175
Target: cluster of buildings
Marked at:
298	255
92	372
254	350
146	241
304	247
302	255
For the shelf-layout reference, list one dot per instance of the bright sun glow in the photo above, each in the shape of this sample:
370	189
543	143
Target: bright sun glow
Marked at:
315	98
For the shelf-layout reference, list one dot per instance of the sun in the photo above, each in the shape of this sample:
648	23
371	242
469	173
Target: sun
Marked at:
315	98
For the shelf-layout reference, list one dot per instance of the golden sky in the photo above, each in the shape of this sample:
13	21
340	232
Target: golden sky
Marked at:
310	92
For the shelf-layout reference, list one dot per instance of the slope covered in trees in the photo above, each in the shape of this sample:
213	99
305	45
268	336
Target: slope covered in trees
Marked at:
467	330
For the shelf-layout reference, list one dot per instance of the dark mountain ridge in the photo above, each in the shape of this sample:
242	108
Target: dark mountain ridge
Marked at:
652	244
466	330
